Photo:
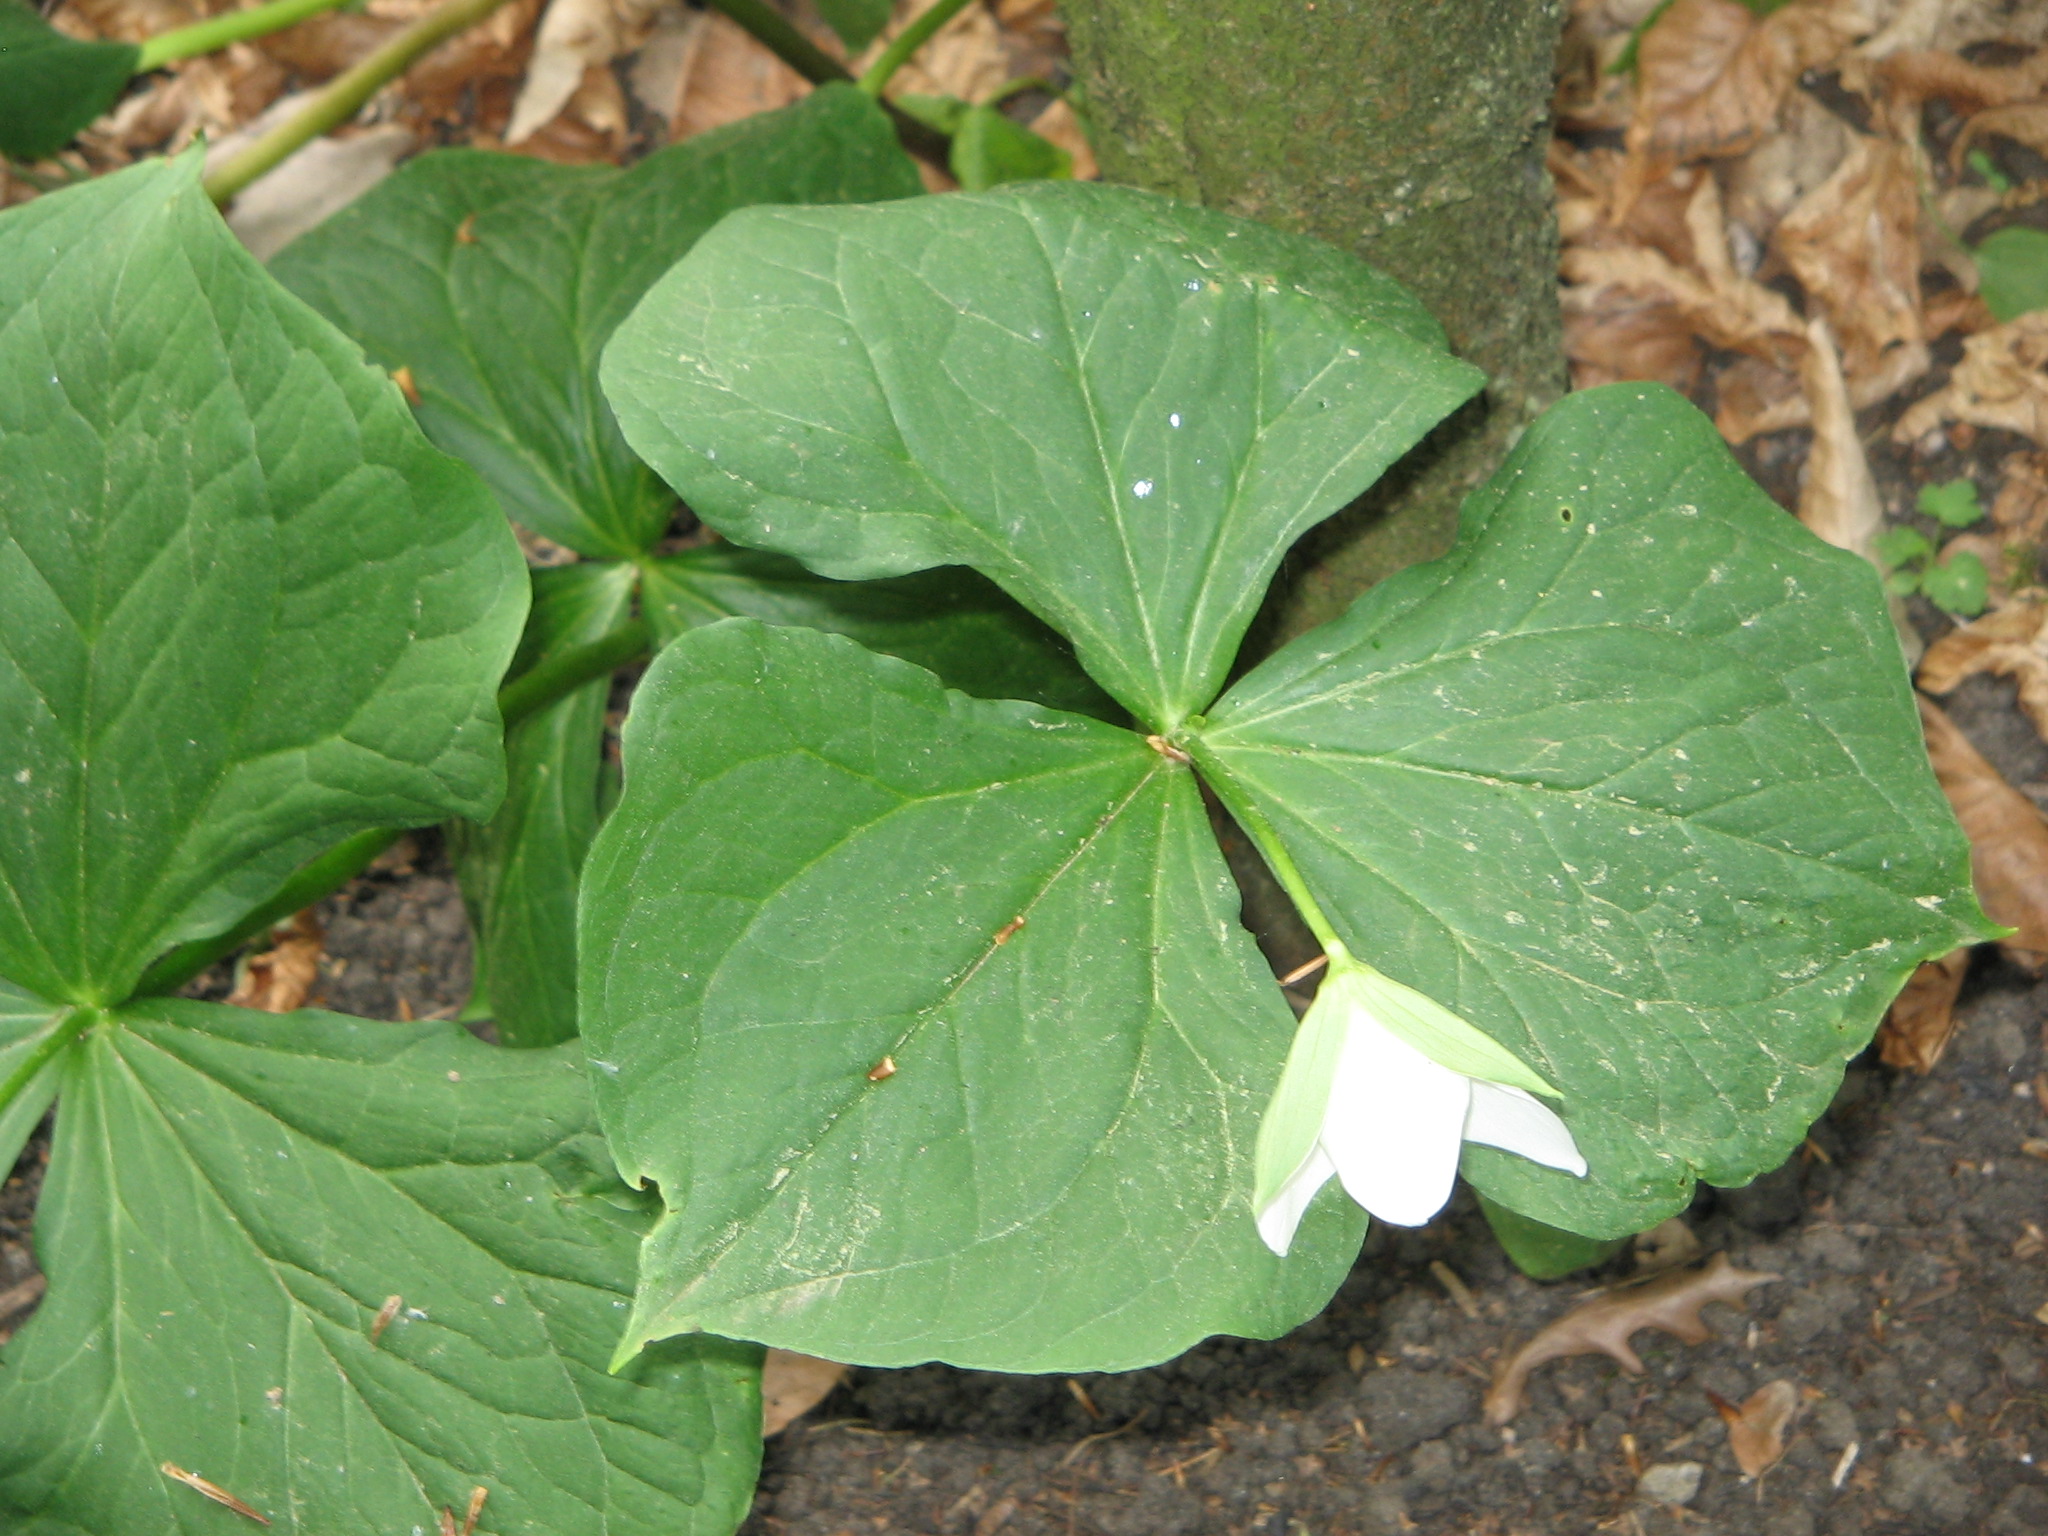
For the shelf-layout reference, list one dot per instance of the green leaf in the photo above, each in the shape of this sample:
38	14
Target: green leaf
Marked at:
858	22
1120	408
519	870
1630	781
1542	1252
1953	504
248	610
1957	585
949	620
497	278
231	1199
814	876
2012	271
941	112
25	1022
52	85
990	149
1902	546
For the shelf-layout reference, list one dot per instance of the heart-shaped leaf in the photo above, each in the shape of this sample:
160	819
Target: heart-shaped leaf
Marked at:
52	85
1630	780
949	620
348	1272
933	1021
1120	408
248	609
519	869
495	279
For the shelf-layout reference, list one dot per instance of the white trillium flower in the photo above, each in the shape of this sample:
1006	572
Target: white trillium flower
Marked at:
1382	1089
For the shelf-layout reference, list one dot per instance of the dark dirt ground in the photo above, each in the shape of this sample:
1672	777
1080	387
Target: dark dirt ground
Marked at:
1913	1304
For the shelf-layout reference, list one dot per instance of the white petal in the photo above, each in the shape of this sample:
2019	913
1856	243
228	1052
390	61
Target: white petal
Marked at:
1280	1217
1518	1122
1394	1126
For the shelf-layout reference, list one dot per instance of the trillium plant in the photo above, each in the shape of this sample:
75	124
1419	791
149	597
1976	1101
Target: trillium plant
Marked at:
1380	1091
896	1004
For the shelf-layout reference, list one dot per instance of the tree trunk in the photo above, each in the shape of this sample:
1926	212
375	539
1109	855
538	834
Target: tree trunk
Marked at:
1411	132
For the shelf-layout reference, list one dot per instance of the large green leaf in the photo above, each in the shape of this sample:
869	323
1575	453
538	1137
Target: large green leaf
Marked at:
814	876
232	1198
949	620
496	278
1631	781
248	609
52	85
25	1022
519	870
1122	409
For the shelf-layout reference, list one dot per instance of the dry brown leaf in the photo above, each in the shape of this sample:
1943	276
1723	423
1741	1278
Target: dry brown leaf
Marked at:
792	1385
578	38
1838	499
1742	317
1059	126
1756	1430
966	58
1670	1303
1917	1027
730	76
2002	381
1711	77
1752	397
1668	1244
2024	122
2008	838
2007	642
279	979
1854	245
1910	77
2020	509
1764	185
320	179
1610	336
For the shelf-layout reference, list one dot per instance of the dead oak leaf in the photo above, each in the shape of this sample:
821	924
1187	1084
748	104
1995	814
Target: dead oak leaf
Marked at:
2007	642
279	979
1853	243
2002	381
2008	838
792	1385
1756	1429
1669	1303
1922	1018
1711	76
1839	499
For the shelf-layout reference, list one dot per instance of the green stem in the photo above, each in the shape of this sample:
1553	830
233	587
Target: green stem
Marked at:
343	96
1267	841
563	673
773	31
67	1029
219	31
907	42
309	883
778	34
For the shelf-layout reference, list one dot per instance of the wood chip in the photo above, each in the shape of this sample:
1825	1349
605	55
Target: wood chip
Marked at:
1756	1429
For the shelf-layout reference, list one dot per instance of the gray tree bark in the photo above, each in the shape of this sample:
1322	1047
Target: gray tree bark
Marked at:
1411	132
